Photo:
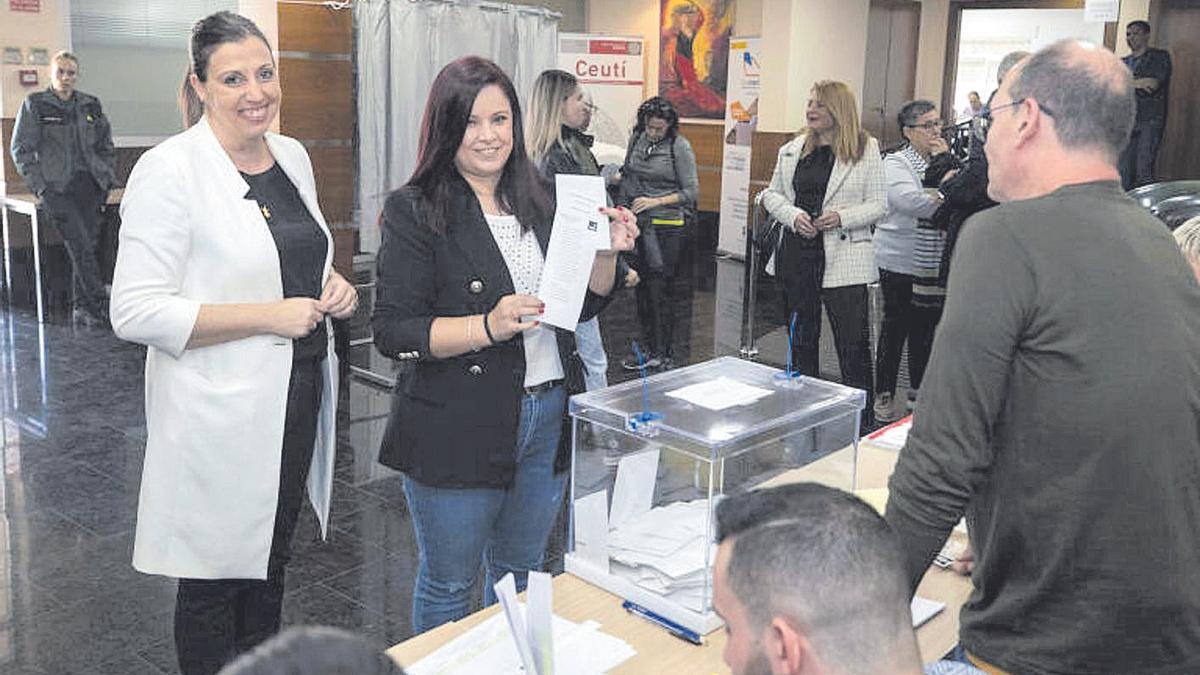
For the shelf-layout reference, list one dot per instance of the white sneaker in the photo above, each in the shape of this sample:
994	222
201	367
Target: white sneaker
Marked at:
884	410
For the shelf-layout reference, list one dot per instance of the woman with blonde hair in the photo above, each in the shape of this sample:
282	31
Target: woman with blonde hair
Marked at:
828	191
559	114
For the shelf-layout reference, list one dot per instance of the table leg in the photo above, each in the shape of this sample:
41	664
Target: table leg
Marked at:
37	264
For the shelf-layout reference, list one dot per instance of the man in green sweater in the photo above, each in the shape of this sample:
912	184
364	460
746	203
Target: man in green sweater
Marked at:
1061	407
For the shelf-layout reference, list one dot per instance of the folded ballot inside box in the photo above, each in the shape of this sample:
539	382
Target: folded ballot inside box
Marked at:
643	495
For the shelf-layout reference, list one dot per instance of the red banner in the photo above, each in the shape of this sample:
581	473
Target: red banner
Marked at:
25	5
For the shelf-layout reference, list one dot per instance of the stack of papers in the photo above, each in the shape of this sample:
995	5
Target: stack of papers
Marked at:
663	551
579	649
893	436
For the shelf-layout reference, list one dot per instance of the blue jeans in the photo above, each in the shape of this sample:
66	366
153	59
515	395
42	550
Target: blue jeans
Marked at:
590	346
460	530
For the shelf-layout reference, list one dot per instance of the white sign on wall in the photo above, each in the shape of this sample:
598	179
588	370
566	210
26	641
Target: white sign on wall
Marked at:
741	119
611	69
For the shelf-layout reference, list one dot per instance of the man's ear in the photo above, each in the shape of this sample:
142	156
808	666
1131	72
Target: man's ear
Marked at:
1033	124
786	647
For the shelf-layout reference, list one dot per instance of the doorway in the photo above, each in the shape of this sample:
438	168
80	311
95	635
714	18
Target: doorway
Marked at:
892	32
1177	29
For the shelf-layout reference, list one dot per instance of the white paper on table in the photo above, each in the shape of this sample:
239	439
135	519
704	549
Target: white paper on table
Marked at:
893	436
633	491
720	393
578	228
924	609
537	615
579	649
506	593
591	529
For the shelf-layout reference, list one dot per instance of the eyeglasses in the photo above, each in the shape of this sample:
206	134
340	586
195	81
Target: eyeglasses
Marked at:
985	115
933	125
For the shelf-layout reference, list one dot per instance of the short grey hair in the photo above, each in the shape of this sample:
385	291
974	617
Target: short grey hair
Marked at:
825	561
1092	105
911	112
1187	236
1006	64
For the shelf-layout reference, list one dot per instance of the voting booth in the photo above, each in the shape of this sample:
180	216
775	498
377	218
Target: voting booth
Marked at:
652	457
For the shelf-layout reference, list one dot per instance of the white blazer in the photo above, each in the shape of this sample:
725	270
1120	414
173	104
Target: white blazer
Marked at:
856	191
214	415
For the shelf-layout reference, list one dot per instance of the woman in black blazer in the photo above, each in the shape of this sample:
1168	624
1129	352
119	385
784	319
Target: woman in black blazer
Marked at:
477	418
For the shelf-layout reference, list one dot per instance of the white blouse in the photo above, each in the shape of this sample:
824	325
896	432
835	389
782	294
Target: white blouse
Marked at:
523	257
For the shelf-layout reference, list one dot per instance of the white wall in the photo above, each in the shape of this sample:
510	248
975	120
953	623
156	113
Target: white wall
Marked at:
45	29
798	49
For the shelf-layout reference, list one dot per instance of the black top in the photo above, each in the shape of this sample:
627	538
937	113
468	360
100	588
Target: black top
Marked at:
1156	63
301	243
453	421
809	183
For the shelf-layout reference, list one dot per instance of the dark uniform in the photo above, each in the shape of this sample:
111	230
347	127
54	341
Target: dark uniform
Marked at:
64	150
1137	162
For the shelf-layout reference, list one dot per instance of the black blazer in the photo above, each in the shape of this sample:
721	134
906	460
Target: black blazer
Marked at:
454	421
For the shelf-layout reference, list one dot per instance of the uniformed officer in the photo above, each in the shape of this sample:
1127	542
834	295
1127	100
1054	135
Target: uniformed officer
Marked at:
62	146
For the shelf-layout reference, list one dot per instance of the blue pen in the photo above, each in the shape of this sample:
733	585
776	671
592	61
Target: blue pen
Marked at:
663	622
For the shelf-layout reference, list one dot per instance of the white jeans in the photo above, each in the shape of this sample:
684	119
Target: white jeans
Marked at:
591	351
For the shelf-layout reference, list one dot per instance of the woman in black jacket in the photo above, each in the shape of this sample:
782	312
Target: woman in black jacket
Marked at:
476	421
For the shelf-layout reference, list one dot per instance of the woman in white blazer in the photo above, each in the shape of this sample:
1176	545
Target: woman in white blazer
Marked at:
828	191
219	225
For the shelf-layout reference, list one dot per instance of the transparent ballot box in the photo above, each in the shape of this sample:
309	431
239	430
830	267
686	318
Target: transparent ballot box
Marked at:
651	458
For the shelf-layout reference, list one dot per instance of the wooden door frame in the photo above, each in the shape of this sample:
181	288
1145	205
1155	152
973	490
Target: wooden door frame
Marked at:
950	71
912	8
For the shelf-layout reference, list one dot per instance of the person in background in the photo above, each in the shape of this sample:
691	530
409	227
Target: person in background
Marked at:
1151	70
478	411
559	114
1188	237
973	108
224	272
964	191
828	189
902	247
659	183
1061	408
810	580
62	146
314	650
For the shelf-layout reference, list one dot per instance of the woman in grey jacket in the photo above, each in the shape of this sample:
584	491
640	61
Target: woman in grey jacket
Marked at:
660	185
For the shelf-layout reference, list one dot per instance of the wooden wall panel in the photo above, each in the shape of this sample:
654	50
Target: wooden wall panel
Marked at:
707	144
318	99
709	147
315	28
334	171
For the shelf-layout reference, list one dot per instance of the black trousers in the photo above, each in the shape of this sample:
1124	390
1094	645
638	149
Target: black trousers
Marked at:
218	619
1136	162
801	270
894	329
657	258
76	213
925	318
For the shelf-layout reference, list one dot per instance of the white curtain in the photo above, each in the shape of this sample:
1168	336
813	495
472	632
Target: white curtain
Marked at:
401	45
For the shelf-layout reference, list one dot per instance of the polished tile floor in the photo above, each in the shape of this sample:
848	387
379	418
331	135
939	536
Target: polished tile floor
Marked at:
71	443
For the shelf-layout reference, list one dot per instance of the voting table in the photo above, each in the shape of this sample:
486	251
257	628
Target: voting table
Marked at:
660	652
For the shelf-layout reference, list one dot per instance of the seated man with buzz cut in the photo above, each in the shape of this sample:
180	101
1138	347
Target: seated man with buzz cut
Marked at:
810	580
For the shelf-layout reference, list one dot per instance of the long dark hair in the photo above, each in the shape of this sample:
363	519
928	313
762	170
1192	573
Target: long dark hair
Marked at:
519	192
654	107
209	33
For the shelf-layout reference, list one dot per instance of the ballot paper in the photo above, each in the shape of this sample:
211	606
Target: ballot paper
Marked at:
506	593
893	436
720	393
924	610
579	649
538	619
633	490
591	528
580	229
667	551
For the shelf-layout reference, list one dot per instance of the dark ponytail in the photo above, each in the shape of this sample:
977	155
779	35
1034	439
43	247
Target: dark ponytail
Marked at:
209	33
